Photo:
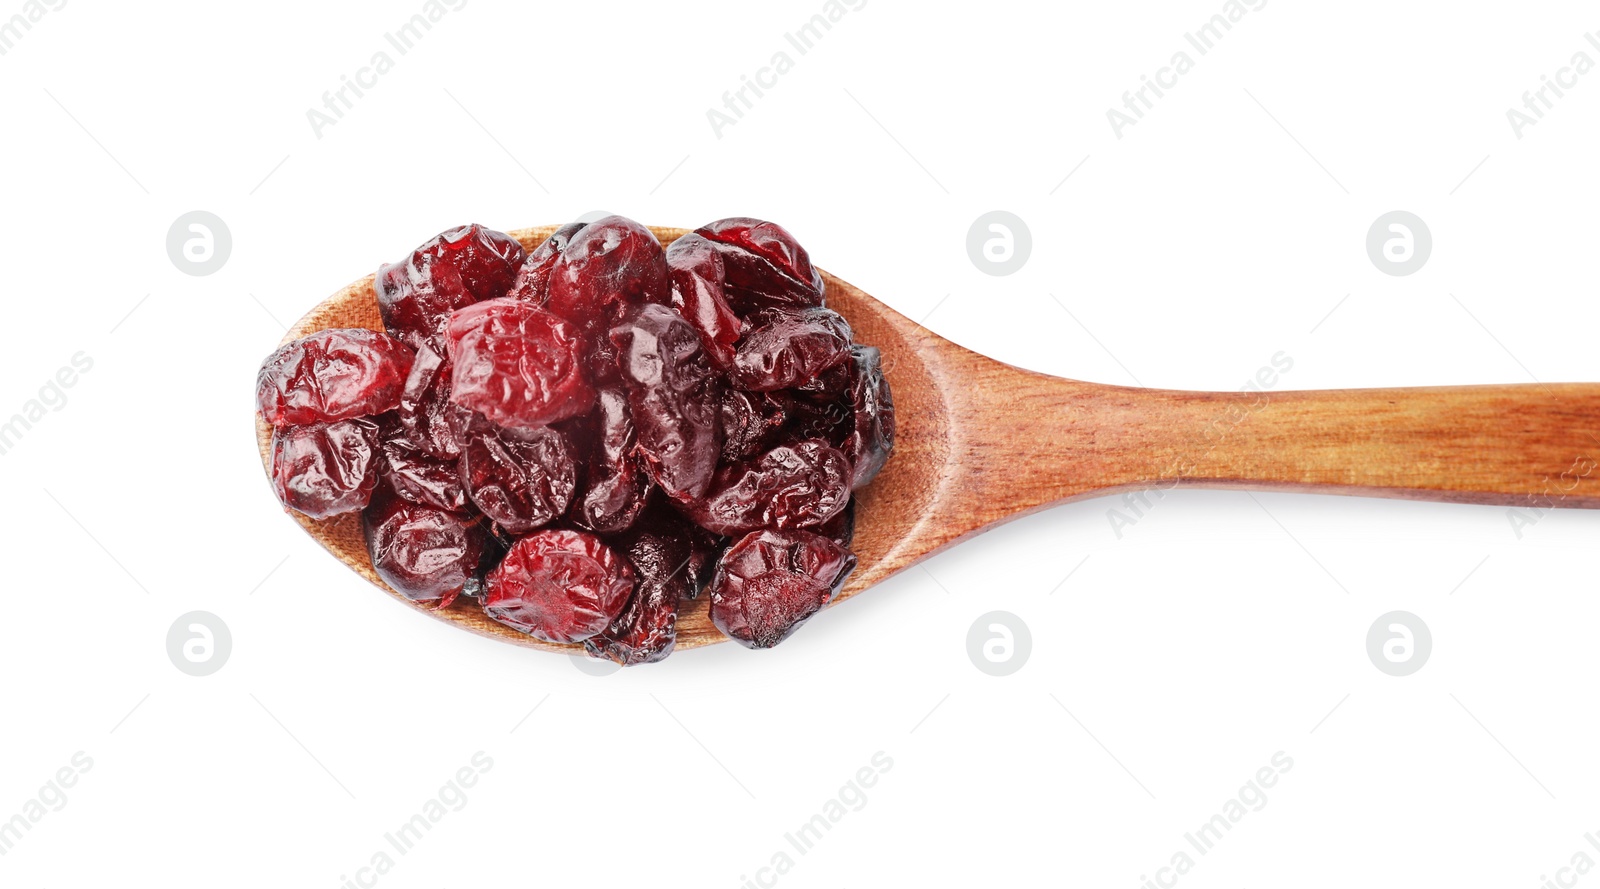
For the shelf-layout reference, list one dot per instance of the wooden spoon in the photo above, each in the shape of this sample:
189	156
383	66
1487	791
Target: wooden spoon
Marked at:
981	443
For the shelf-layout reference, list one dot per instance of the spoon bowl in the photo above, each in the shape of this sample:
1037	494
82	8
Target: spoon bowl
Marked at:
980	442
887	511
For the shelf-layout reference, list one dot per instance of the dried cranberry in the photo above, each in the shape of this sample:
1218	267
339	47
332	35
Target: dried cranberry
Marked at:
645	631
466	424
674	398
612	502
609	265
615	486
765	265
426	554
426	412
841	529
517	365
791	486
833	383
559	586
705	548
787	347
451	271
696	268
521	481
828	419
695	551
872	430
751	422
330	375
533	279
327	469
418	476
768	240
771	582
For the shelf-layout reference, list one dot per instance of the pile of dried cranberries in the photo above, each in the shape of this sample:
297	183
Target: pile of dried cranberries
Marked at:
582	437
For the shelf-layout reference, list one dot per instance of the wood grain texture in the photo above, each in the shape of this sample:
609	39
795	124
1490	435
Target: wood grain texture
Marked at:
982	442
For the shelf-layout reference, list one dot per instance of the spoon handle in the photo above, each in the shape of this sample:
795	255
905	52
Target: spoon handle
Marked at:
1535	446
1046	440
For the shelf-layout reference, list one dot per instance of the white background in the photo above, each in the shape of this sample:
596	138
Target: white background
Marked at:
1227	226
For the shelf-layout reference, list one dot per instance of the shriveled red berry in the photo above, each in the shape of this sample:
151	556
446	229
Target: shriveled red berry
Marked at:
609	265
674	398
427	416
518	365
521	481
872	406
796	485
768	240
334	374
751	423
695	267
771	582
841	529
831	384
533	279
559	586
785	348
765	265
705	548
615	486
327	469
418	476
695	551
646	630
451	271
426	554
829	419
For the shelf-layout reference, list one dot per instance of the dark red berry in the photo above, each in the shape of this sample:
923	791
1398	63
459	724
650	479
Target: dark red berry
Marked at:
796	485
696	269
519	366
785	348
453	270
768	240
751	423
418	476
615	486
872	406
612	502
533	279
832	384
706	547
521	481
765	265
427	415
645	631
608	266
771	582
559	586
427	555
841	529
674	398
696	549
327	469
335	374
828	419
